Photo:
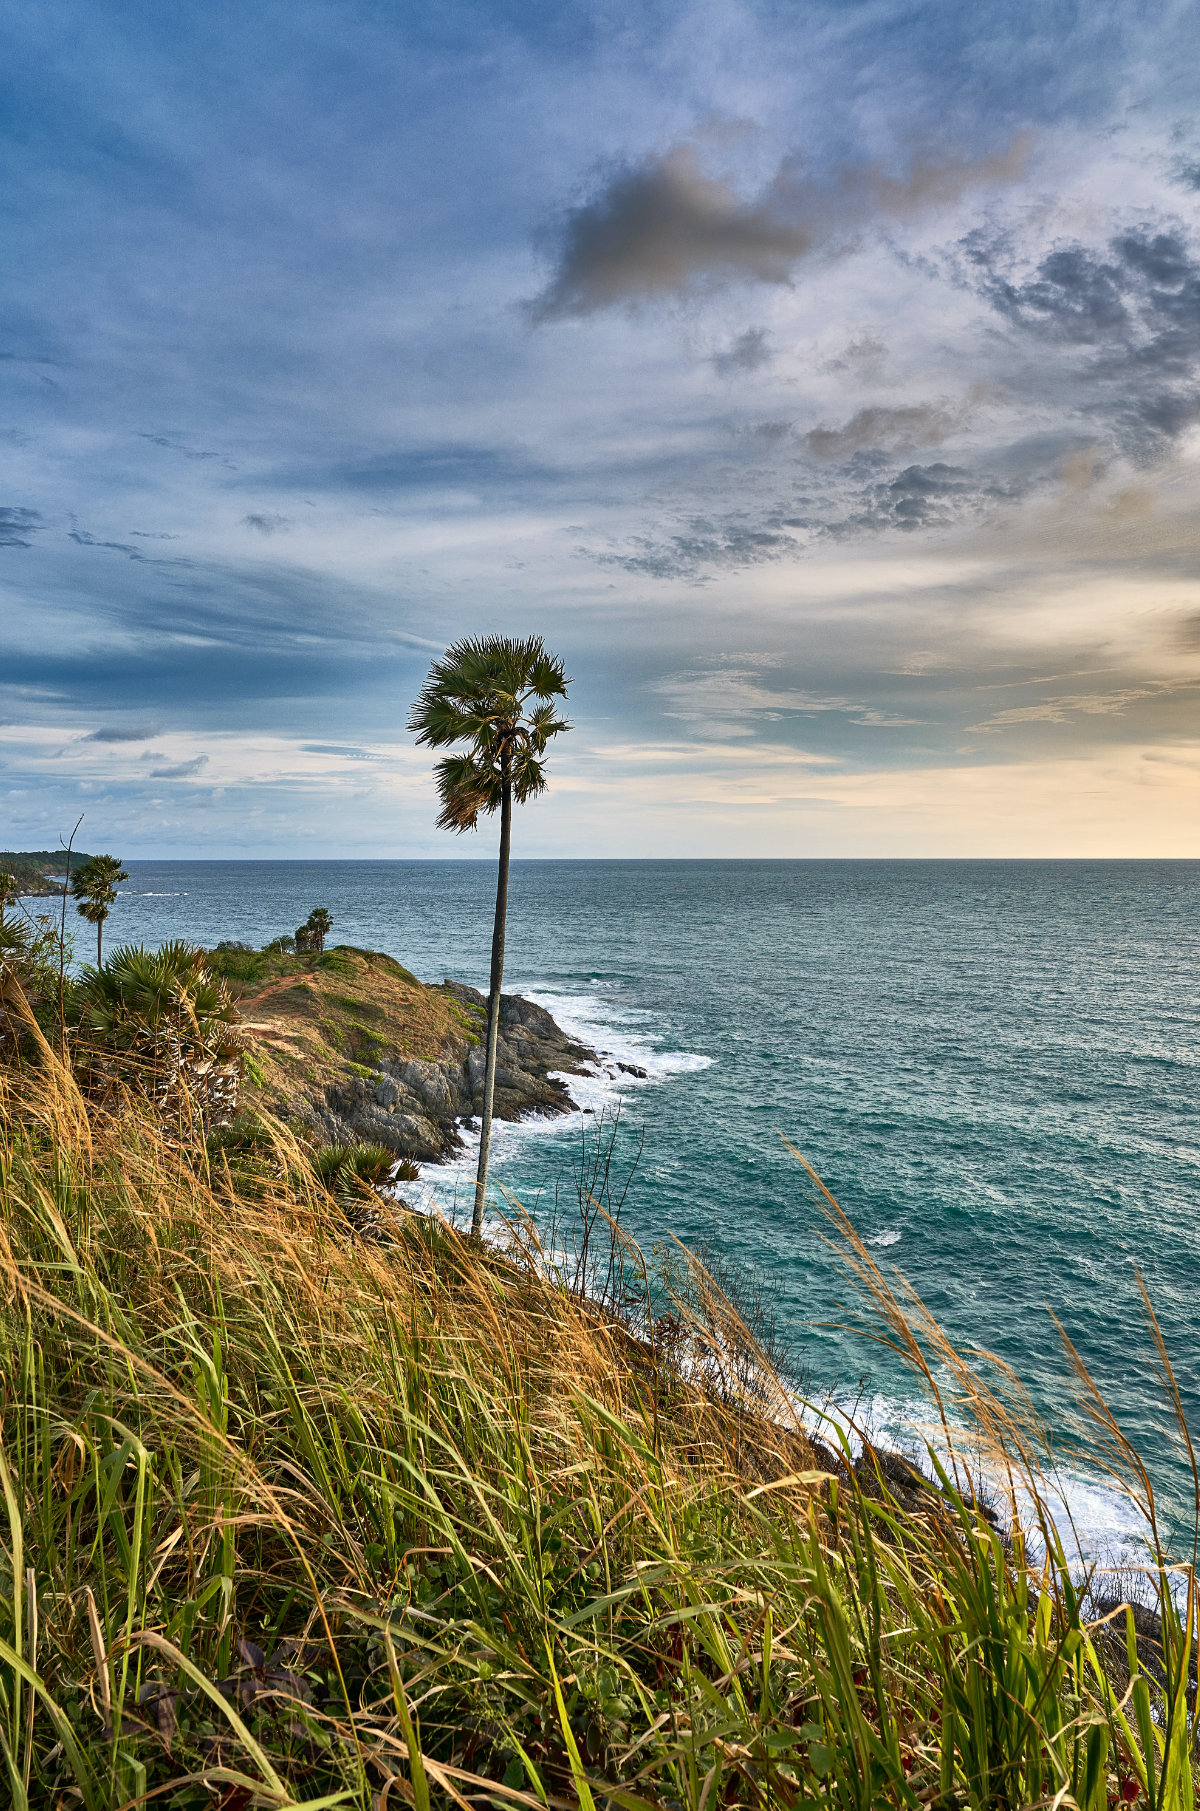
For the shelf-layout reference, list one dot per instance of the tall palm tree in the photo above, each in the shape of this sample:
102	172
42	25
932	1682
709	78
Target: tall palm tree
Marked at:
497	696
95	887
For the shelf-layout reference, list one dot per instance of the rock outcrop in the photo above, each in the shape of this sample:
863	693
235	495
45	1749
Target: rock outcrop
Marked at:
349	1044
414	1106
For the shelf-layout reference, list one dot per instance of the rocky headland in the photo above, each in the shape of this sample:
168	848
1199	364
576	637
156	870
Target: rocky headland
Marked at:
350	1045
38	873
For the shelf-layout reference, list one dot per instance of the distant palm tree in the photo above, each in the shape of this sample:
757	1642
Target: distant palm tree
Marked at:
95	887
497	696
8	891
319	925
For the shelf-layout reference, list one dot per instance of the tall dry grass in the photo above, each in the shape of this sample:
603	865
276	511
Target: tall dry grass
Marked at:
297	1517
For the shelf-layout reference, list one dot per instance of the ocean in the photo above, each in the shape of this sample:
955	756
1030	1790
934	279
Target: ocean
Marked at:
994	1067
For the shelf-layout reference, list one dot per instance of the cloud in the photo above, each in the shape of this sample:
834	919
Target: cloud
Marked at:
337	748
726	545
727	699
82	539
1088	704
181	770
664	227
660	227
16	524
114	733
1131	309
920	424
266	524
749	352
171	444
923	497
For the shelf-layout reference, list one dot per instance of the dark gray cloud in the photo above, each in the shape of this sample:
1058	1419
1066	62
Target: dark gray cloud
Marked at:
924	497
1132	311
665	227
181	770
660	227
82	539
172	444
438	466
921	424
703	546
115	733
919	497
749	352
16	525
265	524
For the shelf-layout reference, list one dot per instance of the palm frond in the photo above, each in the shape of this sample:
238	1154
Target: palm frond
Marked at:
481	694
466	786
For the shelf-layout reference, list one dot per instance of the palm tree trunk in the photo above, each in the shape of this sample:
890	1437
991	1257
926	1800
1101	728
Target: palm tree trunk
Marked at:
99	943
493	1030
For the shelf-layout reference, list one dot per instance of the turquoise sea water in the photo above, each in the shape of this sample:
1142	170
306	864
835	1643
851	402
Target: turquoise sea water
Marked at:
993	1065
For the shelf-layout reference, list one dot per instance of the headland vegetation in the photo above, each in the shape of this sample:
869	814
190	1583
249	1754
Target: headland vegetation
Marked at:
36	873
308	1500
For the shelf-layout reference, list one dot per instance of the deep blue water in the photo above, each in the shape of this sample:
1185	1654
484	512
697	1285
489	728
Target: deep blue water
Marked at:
993	1065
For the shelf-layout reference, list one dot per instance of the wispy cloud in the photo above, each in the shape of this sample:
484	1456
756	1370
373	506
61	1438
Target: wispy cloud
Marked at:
17	524
179	770
117	732
731	698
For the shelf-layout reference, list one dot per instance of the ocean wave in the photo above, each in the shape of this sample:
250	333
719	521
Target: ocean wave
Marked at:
619	1034
624	1042
1099	1523
884	1239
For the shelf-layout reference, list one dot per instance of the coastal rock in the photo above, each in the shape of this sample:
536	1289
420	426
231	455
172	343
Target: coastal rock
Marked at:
416	1106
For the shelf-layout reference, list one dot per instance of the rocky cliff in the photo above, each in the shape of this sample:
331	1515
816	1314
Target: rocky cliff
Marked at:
414	1105
349	1044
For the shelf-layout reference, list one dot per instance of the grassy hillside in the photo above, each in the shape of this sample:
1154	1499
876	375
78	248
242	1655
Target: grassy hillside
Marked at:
315	1018
293	1517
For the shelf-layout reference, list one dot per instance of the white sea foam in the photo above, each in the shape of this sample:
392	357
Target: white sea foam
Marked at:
619	1035
1098	1523
884	1239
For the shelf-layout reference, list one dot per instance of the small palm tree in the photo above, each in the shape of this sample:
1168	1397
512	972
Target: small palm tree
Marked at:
318	925
95	887
159	1022
497	696
8	892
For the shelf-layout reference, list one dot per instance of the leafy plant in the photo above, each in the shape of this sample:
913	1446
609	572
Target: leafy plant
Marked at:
310	938
160	1025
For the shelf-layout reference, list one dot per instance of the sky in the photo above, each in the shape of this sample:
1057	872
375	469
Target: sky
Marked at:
822	381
